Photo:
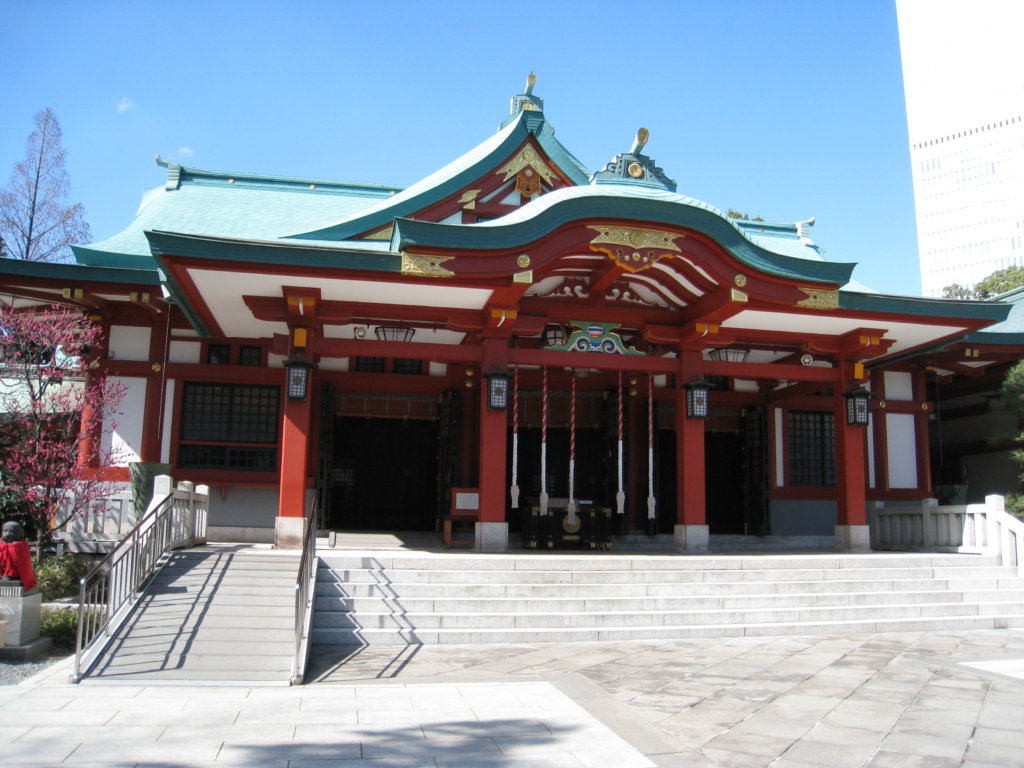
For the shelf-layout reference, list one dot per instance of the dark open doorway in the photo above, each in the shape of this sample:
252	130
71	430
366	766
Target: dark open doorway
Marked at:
384	475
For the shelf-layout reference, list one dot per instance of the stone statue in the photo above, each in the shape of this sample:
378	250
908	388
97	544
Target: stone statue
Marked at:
15	559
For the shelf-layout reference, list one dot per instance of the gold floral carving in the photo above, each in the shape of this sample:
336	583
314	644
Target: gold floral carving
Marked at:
527	158
380	234
819	299
636	237
423	265
523	260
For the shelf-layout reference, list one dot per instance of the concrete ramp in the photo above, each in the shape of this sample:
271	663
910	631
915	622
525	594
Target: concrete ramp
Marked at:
215	614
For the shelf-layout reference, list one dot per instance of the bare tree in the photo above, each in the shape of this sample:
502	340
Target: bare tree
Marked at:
35	223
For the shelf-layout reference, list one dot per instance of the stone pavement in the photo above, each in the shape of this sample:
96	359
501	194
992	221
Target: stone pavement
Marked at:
930	699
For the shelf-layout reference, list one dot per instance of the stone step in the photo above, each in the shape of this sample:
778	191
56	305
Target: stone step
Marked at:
645	618
536	604
604	562
393	578
360	637
654	589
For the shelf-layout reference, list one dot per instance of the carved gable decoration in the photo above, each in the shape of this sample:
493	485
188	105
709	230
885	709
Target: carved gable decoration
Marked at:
529	169
634	248
595	337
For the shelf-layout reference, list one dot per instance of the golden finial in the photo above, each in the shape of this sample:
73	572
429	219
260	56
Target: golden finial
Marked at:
531	80
641	139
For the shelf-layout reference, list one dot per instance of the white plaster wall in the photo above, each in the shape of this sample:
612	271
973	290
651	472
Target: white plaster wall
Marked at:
902	448
898	386
184	351
124	442
129	342
165	438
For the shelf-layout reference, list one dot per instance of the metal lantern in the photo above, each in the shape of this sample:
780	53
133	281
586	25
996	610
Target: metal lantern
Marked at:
857	407
697	399
297	377
729	354
394	332
497	390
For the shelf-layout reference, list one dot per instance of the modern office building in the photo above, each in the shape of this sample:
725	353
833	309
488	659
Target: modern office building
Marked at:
963	75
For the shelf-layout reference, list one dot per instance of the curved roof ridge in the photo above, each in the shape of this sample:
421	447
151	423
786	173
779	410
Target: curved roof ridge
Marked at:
177	173
459	172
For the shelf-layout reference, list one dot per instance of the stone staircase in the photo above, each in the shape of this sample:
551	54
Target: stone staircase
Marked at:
210	615
393	598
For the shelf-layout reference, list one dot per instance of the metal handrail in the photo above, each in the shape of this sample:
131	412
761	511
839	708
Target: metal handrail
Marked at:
176	518
303	594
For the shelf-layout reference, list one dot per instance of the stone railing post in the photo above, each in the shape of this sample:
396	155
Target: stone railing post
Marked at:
995	544
928	522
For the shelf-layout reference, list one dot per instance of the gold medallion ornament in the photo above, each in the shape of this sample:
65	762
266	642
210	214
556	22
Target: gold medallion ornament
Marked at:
635	170
424	265
740	280
523	260
634	248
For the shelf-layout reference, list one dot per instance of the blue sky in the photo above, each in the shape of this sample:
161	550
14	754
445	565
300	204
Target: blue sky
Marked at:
781	108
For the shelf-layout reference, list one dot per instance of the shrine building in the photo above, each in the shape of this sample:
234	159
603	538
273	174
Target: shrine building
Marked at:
515	336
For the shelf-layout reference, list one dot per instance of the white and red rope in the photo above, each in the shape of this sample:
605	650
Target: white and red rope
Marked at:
650	447
544	442
571	511
514	490
620	496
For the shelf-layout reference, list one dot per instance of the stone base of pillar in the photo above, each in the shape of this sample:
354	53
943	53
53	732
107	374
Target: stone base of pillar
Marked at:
691	538
288	532
492	537
853	538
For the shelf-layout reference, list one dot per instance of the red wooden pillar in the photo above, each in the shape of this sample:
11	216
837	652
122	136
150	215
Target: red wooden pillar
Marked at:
922	443
152	420
851	471
492	530
691	531
296	426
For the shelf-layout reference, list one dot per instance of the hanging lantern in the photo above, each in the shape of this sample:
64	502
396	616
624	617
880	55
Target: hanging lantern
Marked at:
697	399
497	390
857	407
394	333
729	354
298	377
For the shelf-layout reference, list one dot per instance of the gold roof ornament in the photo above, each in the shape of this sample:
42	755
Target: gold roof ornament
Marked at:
640	141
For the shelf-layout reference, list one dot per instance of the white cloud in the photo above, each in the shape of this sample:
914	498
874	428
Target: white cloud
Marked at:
125	104
187	151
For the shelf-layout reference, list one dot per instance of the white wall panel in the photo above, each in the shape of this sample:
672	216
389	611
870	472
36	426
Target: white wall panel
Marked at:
124	442
898	386
902	448
129	342
184	351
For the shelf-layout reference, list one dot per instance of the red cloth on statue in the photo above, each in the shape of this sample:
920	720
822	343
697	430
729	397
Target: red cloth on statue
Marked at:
16	562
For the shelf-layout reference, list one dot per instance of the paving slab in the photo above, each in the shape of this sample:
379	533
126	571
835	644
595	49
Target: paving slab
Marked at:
901	699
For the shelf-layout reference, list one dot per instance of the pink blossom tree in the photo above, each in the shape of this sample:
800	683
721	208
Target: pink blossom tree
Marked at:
52	410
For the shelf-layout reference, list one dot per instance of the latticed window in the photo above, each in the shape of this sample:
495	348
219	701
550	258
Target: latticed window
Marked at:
370	364
408	365
218	354
249	355
216	418
812	448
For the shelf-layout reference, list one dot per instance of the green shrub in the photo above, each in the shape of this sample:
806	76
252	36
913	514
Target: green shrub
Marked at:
58	576
1015	504
61	626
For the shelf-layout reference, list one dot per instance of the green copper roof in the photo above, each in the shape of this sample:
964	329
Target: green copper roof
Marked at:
216	203
549	211
75	272
458	174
